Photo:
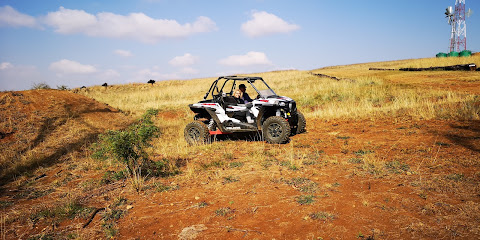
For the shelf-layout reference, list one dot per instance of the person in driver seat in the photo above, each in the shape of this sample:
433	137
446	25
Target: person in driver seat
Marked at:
238	95
246	97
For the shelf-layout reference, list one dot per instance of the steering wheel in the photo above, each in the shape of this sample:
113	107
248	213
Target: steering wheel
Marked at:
218	98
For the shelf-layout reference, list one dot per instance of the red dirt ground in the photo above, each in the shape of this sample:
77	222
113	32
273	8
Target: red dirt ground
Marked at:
367	179
263	206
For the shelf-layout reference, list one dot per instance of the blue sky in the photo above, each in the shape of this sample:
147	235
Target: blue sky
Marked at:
89	42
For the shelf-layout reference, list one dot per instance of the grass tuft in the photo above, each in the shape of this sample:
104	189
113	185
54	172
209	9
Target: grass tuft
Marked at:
305	199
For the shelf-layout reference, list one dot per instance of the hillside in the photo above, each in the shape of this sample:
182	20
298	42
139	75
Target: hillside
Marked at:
386	155
37	127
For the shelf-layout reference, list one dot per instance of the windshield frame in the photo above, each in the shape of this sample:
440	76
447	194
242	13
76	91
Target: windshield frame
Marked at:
251	80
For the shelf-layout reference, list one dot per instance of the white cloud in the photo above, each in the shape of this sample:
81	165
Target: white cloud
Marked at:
263	23
186	60
5	65
251	58
69	21
13	18
123	53
66	66
136	26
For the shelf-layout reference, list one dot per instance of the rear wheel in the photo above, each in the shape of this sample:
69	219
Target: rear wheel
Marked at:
276	130
196	133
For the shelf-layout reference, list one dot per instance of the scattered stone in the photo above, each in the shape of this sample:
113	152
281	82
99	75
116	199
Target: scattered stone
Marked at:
191	232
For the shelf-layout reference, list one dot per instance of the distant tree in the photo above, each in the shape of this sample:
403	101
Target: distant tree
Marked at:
41	85
62	87
151	81
105	85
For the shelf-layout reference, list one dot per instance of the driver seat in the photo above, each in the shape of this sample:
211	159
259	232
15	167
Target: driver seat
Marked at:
229	101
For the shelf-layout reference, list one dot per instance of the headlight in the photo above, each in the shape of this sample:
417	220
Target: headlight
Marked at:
282	104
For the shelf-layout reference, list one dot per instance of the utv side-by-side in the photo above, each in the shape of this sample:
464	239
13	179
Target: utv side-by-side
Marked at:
276	117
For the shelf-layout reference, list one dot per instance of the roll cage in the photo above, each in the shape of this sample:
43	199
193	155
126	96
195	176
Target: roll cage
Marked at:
225	81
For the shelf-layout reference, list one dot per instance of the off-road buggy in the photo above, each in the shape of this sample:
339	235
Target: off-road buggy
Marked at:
275	117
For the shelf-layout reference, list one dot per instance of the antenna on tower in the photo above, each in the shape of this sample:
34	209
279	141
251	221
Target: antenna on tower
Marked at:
458	37
469	13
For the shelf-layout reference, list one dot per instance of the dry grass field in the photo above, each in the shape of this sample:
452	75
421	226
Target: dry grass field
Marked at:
386	155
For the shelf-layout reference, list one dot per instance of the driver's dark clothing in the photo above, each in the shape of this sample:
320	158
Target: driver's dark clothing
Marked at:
239	100
246	98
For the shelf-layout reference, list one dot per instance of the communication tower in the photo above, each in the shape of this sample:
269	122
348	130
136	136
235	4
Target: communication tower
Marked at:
458	38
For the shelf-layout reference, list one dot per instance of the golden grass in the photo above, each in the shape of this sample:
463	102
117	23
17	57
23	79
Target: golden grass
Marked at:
137	98
407	63
366	93
437	77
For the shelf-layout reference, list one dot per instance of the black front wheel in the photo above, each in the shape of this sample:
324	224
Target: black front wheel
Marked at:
196	133
301	124
276	130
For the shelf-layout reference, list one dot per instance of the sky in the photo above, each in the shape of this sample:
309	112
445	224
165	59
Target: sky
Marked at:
90	42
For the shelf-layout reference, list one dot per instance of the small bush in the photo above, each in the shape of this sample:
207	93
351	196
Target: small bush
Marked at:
322	216
224	211
5	204
160	168
111	216
303	184
228	156
62	87
37	86
230	179
397	167
455	177
305	199
111	176
129	146
363	152
217	164
160	187
289	165
355	160
70	210
201	204
236	164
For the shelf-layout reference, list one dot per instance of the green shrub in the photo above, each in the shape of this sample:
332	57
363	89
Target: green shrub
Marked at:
129	146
